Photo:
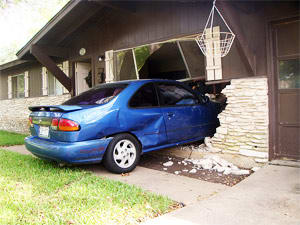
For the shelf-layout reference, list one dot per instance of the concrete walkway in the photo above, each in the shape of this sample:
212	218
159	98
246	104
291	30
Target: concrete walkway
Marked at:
269	196
179	188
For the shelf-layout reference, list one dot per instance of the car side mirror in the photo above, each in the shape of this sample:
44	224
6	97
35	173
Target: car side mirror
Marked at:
204	99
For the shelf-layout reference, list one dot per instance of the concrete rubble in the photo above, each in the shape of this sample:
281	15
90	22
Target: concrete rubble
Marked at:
254	169
205	147
211	162
169	163
193	171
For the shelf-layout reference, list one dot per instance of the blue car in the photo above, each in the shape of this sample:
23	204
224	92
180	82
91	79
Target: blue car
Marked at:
117	122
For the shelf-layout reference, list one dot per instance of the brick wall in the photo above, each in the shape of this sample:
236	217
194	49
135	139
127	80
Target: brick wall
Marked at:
244	122
14	112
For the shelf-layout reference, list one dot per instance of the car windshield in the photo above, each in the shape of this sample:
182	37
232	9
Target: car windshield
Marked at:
98	95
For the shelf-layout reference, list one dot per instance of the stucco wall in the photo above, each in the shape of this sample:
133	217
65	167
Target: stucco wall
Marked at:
245	121
14	112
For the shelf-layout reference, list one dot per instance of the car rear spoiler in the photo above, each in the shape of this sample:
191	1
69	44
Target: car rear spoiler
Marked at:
55	108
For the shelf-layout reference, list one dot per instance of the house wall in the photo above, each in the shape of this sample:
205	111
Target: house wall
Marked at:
152	22
160	21
244	123
14	112
35	79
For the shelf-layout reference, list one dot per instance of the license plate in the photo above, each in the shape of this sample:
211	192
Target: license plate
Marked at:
44	132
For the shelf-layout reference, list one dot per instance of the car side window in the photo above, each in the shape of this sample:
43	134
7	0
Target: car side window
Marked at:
144	97
175	95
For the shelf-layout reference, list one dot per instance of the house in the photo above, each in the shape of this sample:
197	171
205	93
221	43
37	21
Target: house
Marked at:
91	41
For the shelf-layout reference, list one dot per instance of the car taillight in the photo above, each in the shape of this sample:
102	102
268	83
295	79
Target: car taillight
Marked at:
30	122
67	125
54	124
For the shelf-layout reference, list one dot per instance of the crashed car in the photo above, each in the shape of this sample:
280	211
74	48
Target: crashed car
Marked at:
117	122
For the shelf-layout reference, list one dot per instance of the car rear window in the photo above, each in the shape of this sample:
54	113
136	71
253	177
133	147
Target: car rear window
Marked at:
98	95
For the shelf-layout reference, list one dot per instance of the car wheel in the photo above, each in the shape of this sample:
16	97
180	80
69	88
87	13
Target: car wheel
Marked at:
122	154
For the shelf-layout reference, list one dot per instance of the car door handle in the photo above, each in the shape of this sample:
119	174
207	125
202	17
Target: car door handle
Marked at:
170	115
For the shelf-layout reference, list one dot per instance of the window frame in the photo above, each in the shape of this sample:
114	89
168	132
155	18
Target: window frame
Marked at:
179	85
134	63
145	107
285	58
177	40
55	80
17	92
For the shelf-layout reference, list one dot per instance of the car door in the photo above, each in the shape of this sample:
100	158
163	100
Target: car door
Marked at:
145	119
183	112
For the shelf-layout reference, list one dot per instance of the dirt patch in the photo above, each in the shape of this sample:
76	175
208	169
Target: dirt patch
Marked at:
156	161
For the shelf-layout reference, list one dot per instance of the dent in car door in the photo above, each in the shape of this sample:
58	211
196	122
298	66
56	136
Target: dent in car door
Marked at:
178	123
145	118
181	114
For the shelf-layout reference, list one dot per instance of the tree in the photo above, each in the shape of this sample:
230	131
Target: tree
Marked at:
20	20
5	3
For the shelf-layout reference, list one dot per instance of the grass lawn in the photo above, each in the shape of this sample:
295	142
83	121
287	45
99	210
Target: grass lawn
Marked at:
9	138
33	191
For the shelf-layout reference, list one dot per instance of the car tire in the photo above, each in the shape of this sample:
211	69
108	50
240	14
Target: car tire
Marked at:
122	154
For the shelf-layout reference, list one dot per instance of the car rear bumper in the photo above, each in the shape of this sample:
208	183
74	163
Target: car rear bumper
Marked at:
82	152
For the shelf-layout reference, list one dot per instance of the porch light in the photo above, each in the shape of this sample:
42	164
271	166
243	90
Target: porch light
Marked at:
101	58
82	51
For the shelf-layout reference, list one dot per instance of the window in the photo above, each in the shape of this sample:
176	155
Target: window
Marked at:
163	61
54	86
50	85
144	97
18	84
174	59
289	74
194	57
98	95
124	67
173	95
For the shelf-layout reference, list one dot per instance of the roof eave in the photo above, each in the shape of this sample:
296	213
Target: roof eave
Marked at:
12	64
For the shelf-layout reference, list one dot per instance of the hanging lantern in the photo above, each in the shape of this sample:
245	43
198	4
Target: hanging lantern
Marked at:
212	41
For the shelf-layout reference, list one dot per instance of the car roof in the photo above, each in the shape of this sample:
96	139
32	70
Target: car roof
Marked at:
142	81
